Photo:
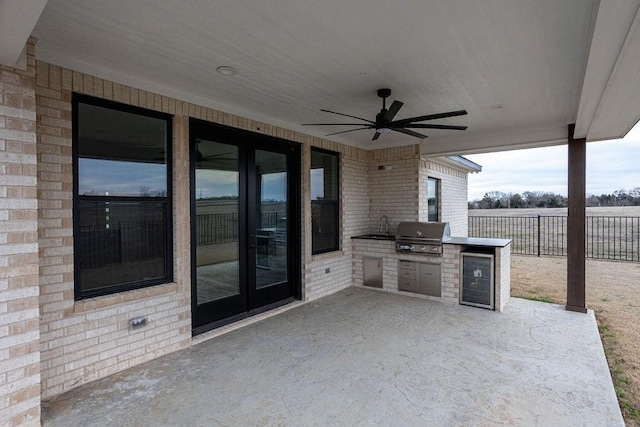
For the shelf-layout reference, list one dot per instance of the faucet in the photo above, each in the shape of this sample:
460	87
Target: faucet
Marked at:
384	224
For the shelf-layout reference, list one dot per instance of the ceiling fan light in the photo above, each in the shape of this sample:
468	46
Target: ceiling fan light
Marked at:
227	71
384	130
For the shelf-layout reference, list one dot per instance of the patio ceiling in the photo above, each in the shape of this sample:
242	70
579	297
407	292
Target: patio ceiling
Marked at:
522	69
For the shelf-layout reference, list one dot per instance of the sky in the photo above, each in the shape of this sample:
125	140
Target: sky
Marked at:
118	178
611	165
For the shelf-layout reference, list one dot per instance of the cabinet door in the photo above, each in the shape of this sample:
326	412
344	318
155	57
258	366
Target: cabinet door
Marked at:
372	272
429	280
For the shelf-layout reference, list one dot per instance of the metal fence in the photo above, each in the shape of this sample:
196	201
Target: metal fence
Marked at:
223	228
125	241
607	237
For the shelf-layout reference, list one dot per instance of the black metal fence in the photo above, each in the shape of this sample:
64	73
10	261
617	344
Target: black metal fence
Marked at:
607	237
125	241
223	228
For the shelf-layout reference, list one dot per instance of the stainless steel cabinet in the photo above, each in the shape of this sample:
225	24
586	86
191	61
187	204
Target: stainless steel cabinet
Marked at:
429	279
420	277
407	276
372	272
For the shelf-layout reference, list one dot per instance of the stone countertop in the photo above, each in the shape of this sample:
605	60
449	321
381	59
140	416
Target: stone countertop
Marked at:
461	241
373	236
477	241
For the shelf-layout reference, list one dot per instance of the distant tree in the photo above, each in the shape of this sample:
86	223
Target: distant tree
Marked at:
546	199
516	201
486	202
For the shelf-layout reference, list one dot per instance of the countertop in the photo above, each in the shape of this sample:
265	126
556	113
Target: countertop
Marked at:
462	241
477	241
373	236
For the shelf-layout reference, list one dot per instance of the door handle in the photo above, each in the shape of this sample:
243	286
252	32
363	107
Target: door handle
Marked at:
252	241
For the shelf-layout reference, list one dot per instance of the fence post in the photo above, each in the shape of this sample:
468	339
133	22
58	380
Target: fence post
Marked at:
538	236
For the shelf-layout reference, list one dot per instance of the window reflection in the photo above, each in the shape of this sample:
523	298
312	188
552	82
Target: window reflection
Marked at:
324	201
120	242
121	153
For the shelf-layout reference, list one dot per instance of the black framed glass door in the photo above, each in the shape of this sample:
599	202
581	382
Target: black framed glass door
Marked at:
245	232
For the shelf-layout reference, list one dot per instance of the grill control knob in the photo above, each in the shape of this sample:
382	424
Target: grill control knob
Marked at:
423	248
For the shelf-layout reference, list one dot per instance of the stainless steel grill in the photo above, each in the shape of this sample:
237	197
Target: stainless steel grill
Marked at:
423	238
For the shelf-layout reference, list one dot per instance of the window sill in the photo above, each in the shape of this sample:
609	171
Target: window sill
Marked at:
122	297
327	255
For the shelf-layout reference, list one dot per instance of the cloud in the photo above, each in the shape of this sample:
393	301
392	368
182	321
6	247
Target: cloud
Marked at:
120	178
611	165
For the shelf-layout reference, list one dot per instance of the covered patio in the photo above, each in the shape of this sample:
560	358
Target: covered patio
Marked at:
178	89
362	357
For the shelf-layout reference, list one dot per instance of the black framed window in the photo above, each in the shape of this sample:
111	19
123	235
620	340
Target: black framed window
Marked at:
433	199
325	203
122	197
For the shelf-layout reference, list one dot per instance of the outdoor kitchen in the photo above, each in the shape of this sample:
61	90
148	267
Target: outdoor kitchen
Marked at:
422	259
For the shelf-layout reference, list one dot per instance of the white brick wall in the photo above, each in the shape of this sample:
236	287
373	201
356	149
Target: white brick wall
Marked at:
354	220
393	185
503	276
89	339
19	324
453	194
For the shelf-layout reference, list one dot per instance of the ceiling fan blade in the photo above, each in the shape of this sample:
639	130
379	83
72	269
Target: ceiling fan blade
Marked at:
376	136
347	115
393	110
332	124
218	155
429	117
425	126
350	130
409	132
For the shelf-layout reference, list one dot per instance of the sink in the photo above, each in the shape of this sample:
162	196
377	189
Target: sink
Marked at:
375	236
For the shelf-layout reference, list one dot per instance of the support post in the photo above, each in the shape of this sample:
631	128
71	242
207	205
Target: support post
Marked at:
576	223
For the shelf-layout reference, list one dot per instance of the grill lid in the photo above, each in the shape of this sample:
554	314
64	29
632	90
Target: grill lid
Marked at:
423	231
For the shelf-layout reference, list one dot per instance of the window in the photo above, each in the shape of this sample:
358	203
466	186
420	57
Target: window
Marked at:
324	201
122	197
433	199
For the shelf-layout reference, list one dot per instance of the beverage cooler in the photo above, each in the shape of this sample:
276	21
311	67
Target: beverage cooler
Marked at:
477	285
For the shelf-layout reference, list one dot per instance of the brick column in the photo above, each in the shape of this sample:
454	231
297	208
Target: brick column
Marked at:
19	309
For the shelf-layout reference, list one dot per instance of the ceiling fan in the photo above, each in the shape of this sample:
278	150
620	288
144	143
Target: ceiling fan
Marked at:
384	122
219	156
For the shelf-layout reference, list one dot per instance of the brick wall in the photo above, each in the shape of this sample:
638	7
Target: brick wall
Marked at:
328	273
393	185
453	194
89	339
503	276
81	341
19	328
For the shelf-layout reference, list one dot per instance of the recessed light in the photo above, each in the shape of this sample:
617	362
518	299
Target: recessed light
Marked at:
227	71
495	107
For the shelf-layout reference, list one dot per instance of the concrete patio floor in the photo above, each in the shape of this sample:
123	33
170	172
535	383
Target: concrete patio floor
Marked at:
362	357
